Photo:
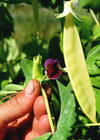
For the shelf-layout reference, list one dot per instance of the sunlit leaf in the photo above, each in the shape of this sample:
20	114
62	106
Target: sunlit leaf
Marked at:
96	32
92	56
13	87
27	66
4	92
67	114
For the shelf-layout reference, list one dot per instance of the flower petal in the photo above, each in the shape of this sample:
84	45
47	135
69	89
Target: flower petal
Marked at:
47	62
52	68
56	76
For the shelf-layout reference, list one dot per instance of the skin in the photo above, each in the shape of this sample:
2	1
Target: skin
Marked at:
16	115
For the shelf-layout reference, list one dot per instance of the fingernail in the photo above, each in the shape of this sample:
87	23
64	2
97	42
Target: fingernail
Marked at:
29	88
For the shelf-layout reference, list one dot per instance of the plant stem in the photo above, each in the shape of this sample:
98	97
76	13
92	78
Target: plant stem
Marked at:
43	78
36	15
94	17
92	124
88	124
53	128
63	69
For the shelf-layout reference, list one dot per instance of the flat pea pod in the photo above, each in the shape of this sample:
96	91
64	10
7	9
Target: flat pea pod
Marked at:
77	70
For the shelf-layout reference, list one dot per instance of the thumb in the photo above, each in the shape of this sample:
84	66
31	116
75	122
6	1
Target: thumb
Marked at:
20	104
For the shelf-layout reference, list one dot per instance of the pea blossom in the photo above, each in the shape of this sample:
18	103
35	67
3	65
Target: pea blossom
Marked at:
52	69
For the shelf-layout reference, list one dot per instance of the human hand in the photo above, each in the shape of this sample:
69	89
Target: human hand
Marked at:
24	116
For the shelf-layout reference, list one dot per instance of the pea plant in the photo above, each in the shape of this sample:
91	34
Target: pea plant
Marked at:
69	63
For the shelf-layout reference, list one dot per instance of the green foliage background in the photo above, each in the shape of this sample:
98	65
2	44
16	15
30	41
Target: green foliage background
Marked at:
20	42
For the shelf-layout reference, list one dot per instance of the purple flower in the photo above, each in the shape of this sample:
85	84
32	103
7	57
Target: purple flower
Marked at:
52	68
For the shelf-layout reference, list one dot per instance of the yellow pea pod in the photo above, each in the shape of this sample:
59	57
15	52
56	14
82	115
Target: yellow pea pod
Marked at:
77	70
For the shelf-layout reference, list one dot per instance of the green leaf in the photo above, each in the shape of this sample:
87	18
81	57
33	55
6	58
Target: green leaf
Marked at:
53	1
98	63
27	66
92	57
93	4
92	61
97	93
13	87
37	72
10	50
67	115
85	26
95	81
96	32
93	65
10	89
98	103
4	76
4	92
4	83
44	137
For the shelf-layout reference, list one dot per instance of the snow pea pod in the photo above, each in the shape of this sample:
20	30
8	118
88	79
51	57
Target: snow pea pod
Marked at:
77	70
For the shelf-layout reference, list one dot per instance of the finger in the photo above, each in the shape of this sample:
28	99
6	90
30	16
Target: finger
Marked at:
39	111
39	107
21	124
18	127
29	135
21	104
43	125
39	128
24	122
